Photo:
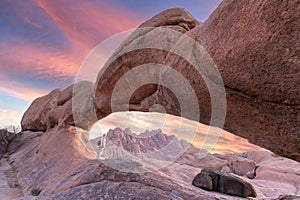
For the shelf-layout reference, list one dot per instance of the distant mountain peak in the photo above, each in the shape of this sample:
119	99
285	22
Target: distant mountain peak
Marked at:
148	141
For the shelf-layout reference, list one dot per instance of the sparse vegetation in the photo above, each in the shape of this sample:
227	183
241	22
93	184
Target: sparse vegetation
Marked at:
36	192
12	128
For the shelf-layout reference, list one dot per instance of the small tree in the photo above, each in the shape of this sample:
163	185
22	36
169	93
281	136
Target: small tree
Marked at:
13	128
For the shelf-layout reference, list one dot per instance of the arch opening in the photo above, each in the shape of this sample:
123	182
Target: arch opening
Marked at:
145	141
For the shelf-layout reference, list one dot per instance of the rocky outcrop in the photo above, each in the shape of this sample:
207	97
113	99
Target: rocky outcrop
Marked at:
258	61
172	17
61	162
59	107
36	116
219	182
62	165
256	54
6	138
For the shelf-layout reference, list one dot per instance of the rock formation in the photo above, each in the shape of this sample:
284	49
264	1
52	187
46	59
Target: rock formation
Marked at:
224	183
258	61
61	164
255	47
58	108
257	56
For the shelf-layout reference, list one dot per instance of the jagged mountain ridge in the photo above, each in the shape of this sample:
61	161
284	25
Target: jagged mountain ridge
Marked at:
145	142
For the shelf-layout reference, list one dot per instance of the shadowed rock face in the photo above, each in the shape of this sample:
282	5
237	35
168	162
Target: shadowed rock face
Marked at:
255	46
227	184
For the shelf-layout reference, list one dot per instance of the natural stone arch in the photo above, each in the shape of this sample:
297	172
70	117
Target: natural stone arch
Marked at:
266	117
263	116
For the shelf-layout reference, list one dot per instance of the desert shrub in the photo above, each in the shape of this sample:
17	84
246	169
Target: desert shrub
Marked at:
36	192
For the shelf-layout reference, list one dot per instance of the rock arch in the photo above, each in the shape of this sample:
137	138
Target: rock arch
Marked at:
257	54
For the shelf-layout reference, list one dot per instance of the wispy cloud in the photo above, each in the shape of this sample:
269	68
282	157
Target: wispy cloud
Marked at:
65	34
86	23
41	62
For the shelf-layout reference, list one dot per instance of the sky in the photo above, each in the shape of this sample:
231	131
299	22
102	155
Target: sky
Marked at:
44	42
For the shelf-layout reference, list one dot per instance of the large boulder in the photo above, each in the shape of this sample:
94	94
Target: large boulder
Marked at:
216	181
60	106
36	116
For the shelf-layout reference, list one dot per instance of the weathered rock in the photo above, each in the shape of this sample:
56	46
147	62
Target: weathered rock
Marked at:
257	55
227	184
283	172
130	56
36	116
204	181
226	169
172	17
258	61
251	174
242	167
110	190
61	164
21	139
60	106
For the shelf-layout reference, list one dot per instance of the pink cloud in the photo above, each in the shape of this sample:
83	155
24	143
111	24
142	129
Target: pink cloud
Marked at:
85	23
19	90
40	62
31	23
